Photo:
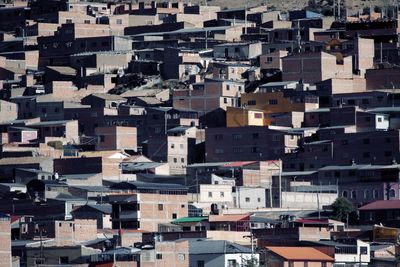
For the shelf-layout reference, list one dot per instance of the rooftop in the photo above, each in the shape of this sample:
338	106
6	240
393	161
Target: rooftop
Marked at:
300	254
382	205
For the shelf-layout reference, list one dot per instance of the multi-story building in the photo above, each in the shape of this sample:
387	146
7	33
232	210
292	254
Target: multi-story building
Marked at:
248	143
143	206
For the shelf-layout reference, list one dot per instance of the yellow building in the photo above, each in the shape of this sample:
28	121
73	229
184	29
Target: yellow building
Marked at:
238	117
256	107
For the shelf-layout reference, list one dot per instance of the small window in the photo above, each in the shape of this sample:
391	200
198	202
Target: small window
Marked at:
209	194
119	21
102	138
376	194
247	199
258	199
353	194
221	194
160	207
159	256
252	102
273	101
87	21
174	216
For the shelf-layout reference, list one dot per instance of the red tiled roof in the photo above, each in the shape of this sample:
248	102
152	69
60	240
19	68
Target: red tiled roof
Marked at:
229	218
300	254
382	205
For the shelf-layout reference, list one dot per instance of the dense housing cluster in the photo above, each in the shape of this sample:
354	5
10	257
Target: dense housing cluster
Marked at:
191	135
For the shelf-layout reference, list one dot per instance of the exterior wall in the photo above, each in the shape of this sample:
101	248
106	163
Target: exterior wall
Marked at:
215	94
72	131
220	193
307	200
178	150
250	197
116	137
238	117
315	67
8	111
5	240
250	143
272	60
151	216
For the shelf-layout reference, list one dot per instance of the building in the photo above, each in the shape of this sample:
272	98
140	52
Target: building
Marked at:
386	212
296	256
116	138
248	143
209	253
149	205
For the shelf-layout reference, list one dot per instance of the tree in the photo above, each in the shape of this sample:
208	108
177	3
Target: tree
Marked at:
342	209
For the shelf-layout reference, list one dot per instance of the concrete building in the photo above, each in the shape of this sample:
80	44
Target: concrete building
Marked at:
149	205
116	138
248	143
209	253
181	148
238	51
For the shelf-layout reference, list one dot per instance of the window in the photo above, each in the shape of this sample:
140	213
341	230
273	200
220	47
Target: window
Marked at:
247	199
182	160
64	260
392	193
160	206
255	149
172	146
218	137
258	199
379	119
291	264
367	194
218	151
365	101
175	160
44	111
209	194
273	101
174	216
221	194
237	136
353	194
119	21
251	102
276	137
68	21
56	110
255	135
232	263
159	256
87	21
376	194
344	193
237	150
258	115
269	59
228	87
200	263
